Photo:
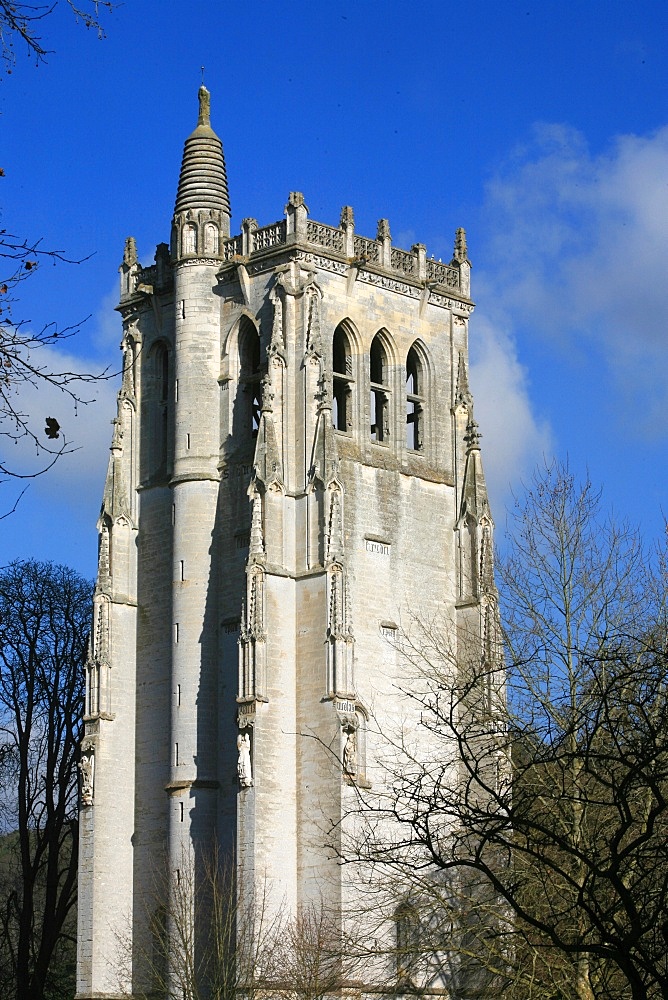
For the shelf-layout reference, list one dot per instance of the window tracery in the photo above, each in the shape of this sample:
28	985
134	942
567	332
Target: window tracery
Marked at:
379	395
211	239
190	239
414	402
250	376
342	367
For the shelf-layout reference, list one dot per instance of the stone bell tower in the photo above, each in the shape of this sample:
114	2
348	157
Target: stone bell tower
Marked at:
294	469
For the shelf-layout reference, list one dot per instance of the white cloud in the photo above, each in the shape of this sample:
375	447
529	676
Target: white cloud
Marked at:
577	256
72	489
514	438
107	330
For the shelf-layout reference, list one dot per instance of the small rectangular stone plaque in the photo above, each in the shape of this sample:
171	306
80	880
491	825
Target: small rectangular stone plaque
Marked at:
380	548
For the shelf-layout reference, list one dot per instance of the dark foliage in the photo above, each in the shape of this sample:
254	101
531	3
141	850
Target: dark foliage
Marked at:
44	622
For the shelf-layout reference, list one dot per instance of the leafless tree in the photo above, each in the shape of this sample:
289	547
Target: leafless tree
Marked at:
210	936
21	23
317	958
23	361
44	621
541	823
203	937
23	358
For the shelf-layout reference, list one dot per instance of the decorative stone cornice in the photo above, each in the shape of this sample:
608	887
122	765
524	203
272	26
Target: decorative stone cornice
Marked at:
337	248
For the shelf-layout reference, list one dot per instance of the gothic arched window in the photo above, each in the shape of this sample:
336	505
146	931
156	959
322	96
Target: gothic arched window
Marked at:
407	923
161	390
250	373
155	412
190	239
342	366
211	239
379	398
414	401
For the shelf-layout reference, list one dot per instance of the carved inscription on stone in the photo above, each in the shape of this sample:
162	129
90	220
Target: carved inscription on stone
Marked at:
237	471
379	548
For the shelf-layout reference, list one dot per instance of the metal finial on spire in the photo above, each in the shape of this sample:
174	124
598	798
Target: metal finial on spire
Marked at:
204	106
202	68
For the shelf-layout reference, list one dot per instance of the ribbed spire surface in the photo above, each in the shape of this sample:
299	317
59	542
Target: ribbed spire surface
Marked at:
203	180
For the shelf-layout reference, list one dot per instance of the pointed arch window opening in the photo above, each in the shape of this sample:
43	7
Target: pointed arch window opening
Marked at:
379	394
342	382
163	373
414	402
256	409
251	374
211	239
160	379
408	943
190	239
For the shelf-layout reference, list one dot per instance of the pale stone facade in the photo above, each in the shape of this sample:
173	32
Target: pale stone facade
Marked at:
294	464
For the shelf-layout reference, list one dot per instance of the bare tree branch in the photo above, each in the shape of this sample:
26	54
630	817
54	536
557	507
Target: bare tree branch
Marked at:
22	21
44	618
541	825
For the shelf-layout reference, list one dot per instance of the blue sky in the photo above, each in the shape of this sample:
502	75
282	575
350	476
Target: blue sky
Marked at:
542	128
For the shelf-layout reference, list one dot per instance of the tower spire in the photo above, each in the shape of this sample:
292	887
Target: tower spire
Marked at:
202	194
204	107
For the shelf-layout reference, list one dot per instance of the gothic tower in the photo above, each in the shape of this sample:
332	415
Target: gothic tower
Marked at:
294	469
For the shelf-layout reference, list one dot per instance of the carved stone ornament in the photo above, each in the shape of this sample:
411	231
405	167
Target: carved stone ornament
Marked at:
87	772
277	344
130	252
350	753
463	395
246	714
244	769
383	231
335	525
313	333
129	365
256	547
461	250
268	393
472	436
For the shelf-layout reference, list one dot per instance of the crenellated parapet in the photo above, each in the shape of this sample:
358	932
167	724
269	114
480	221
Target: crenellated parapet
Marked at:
341	244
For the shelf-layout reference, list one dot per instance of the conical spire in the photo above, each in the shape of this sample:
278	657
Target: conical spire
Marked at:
203	180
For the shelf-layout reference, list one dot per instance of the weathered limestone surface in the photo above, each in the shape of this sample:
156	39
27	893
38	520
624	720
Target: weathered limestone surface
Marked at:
295	470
